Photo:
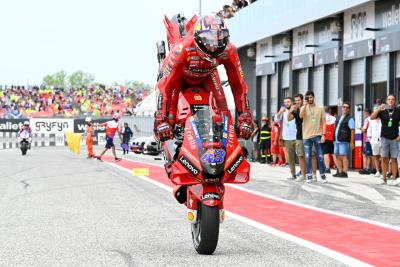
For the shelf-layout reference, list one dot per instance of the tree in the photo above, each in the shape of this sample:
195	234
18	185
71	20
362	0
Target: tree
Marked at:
80	78
56	79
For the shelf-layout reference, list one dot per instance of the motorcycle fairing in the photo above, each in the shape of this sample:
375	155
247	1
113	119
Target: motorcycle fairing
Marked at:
209	194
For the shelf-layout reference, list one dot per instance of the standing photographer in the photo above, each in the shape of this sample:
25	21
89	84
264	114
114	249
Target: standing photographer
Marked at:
390	117
314	131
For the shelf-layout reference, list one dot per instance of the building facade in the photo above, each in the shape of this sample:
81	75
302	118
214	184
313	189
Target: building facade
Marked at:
343	50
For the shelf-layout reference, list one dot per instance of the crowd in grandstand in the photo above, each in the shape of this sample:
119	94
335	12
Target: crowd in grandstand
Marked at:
228	10
95	100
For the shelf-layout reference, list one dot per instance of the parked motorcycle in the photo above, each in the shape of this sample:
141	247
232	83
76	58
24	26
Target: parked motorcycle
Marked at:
204	155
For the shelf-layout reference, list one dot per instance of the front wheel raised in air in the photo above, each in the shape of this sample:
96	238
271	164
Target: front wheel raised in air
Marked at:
206	230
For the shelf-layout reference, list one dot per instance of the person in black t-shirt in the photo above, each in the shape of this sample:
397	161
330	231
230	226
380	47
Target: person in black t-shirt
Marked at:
294	114
390	118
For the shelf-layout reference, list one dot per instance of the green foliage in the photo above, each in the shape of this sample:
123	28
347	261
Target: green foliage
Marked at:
56	79
80	78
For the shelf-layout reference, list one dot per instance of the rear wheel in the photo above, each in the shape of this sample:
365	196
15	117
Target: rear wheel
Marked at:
205	231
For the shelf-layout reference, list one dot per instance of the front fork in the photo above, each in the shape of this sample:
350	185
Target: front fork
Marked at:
209	194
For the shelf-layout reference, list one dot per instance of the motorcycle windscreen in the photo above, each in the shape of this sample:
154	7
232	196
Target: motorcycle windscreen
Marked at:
208	127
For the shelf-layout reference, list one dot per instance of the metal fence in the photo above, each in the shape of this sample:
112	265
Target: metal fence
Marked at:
141	126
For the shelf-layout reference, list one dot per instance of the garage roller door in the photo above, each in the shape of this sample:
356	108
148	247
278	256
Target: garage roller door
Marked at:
264	84
357	72
318	84
333	85
285	75
303	81
379	68
274	94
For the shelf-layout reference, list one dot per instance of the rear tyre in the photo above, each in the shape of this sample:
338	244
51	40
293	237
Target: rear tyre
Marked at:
205	231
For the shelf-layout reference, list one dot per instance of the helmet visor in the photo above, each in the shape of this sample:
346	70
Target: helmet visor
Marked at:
214	40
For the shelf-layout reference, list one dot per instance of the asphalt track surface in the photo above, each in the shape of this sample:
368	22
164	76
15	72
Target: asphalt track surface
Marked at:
60	209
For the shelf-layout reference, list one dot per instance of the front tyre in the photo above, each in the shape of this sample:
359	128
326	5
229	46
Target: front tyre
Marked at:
24	148
206	230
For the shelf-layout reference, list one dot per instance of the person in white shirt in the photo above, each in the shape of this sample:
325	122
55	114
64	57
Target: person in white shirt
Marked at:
288	134
374	137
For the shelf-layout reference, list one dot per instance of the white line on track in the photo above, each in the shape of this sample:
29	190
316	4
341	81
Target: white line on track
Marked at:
315	247
393	227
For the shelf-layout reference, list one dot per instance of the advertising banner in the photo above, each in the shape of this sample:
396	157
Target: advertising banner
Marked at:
80	125
52	125
11	125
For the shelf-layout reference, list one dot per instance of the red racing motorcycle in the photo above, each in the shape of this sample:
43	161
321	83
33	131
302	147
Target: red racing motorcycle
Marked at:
204	155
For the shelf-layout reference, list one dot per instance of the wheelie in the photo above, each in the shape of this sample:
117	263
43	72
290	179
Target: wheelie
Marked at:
194	125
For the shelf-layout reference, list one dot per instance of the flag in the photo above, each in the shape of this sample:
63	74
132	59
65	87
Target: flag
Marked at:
74	141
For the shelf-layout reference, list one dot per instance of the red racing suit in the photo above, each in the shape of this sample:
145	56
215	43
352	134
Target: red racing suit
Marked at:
184	67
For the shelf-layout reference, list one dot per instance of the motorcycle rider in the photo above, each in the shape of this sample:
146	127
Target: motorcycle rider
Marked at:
192	62
25	133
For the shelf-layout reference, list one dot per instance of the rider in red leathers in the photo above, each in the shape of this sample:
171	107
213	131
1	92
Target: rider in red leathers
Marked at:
193	61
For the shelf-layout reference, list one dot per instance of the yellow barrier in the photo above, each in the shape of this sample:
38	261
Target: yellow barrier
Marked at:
74	141
140	172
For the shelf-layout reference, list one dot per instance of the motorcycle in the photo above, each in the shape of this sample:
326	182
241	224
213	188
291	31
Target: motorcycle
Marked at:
204	155
24	145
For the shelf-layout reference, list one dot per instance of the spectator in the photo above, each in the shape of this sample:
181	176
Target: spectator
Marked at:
244	3
236	5
275	132
327	146
265	141
367	149
91	100
374	136
390	117
295	114
314	132
344	141
126	137
255	138
288	134
226	12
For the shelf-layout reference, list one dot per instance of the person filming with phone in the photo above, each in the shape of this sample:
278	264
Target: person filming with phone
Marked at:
314	131
390	117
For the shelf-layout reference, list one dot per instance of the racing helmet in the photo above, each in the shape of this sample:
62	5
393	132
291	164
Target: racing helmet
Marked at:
88	119
26	123
211	36
116	116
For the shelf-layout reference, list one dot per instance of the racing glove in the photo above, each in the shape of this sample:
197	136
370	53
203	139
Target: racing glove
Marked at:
162	129
246	126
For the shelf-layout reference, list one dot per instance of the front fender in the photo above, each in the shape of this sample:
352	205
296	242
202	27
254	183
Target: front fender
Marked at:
209	194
